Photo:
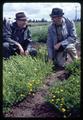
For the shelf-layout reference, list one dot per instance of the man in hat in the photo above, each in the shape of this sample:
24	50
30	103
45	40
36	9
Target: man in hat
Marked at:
17	37
61	38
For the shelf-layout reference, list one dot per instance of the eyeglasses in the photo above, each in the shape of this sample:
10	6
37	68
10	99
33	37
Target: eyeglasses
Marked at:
22	20
59	17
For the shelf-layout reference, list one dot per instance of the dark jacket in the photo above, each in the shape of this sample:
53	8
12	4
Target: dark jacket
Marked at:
12	33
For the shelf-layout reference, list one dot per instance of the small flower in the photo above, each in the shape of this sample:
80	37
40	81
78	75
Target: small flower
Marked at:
62	99
54	96
30	84
61	104
35	69
61	90
21	95
33	80
30	90
65	116
52	100
63	109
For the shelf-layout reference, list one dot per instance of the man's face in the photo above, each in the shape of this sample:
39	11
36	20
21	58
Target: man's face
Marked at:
21	23
57	20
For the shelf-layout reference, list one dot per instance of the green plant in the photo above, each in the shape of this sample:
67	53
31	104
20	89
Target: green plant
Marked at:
22	76
74	68
65	95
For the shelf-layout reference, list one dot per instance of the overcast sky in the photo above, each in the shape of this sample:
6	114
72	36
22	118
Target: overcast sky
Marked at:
40	10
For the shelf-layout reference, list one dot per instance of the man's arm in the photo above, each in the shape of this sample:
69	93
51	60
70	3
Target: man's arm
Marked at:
72	34
7	33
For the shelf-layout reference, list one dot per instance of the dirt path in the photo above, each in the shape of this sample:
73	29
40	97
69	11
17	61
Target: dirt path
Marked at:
35	105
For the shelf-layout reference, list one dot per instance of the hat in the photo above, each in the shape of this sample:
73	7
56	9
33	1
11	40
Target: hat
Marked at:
57	12
21	16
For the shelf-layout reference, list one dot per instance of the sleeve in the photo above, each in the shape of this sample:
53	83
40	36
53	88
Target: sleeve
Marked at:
49	44
29	36
72	36
7	32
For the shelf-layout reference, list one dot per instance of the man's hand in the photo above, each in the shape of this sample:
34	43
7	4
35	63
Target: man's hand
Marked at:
57	46
21	49
50	61
26	53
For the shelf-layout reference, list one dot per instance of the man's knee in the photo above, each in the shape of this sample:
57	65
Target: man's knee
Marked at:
33	52
72	51
6	50
6	45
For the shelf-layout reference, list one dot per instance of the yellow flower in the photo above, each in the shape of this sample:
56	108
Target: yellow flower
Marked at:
61	104
35	69
65	116
61	90
30	84
21	95
63	109
33	80
62	99
54	96
52	100
30	90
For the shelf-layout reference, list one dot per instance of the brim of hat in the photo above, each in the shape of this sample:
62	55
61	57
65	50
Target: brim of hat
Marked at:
60	15
23	18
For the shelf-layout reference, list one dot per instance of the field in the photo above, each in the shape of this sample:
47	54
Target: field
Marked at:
33	80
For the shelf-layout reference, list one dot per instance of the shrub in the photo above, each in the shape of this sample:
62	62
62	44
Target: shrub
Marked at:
65	95
21	76
74	68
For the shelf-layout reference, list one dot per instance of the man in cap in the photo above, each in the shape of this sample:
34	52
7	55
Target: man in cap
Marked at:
17	37
61	38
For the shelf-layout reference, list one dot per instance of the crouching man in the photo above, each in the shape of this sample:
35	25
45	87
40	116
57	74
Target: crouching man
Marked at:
17	37
61	38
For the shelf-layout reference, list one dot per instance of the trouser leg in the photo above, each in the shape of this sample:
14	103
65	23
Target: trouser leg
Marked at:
28	46
33	52
6	50
60	59
9	49
72	51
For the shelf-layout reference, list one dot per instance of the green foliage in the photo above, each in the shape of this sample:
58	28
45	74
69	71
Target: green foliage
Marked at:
22	76
74	67
65	95
78	28
39	33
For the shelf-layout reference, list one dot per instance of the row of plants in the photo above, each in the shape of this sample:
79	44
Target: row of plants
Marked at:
65	95
23	76
39	33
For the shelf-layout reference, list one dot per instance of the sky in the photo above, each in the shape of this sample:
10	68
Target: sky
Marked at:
38	10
